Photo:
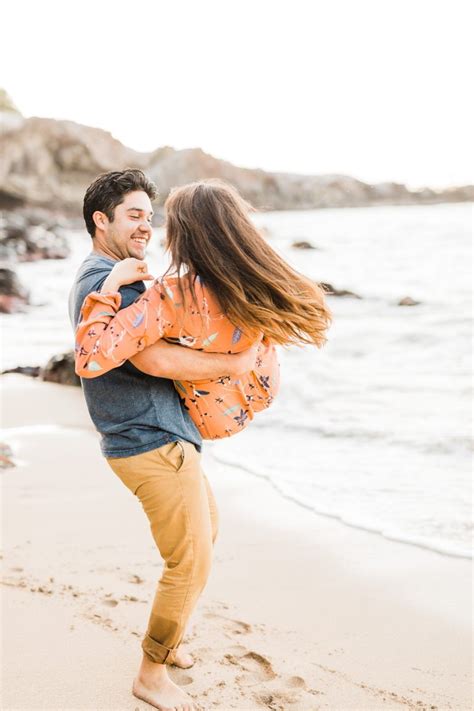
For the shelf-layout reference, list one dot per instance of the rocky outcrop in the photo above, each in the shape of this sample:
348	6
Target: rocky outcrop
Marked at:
408	301
170	168
13	295
29	235
60	369
303	244
50	163
331	290
33	371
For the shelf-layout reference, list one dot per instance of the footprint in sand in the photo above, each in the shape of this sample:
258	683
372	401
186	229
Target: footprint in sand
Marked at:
276	701
295	682
110	602
256	668
233	626
104	621
252	661
238	650
135	579
280	699
180	677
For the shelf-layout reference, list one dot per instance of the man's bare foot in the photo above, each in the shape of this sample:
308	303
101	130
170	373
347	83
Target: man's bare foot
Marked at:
153	685
182	659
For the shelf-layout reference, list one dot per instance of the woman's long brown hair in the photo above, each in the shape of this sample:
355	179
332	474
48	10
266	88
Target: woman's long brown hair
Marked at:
210	234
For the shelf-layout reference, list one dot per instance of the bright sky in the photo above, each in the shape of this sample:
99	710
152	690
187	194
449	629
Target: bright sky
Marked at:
377	89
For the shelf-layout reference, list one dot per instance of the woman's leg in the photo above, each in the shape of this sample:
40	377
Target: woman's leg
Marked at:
221	408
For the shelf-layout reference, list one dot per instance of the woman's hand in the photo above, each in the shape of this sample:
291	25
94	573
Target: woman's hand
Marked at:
126	272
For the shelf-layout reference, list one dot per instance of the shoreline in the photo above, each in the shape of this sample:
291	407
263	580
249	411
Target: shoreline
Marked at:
300	612
441	549
446	552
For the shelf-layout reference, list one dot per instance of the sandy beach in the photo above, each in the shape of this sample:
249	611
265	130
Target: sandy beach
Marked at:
301	612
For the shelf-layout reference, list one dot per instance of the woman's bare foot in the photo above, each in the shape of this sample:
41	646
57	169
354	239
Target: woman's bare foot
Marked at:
153	685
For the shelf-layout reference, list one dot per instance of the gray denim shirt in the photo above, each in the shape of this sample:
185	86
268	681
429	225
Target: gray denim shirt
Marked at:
132	411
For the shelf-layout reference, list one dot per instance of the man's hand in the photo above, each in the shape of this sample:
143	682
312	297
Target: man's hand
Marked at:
243	362
165	360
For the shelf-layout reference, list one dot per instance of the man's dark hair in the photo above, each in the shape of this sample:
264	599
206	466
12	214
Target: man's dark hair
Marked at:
109	189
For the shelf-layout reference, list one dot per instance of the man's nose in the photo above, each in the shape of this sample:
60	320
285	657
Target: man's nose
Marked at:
145	226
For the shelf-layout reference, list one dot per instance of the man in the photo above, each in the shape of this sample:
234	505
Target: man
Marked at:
148	438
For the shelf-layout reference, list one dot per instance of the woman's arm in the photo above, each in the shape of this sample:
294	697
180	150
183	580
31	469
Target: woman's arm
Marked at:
107	337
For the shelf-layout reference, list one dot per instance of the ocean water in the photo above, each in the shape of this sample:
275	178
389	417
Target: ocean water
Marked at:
375	429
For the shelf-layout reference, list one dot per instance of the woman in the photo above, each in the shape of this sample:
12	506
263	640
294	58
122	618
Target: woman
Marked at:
226	288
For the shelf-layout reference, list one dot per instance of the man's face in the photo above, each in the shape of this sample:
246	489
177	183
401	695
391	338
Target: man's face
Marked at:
128	235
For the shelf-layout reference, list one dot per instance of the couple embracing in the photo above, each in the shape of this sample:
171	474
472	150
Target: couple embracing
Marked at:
190	358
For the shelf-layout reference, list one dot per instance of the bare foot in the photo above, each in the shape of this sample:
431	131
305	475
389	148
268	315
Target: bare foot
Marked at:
154	686
182	659
163	695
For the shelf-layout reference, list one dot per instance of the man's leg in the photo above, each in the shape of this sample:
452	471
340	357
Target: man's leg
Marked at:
177	499
213	510
182	658
172	489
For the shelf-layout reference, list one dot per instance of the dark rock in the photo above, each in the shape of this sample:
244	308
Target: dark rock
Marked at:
13	295
408	301
330	290
32	235
60	369
303	244
32	371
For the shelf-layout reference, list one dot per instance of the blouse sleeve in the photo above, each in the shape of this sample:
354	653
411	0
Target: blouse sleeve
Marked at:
106	336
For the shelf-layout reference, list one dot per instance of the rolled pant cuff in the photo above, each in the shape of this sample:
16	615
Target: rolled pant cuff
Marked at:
156	651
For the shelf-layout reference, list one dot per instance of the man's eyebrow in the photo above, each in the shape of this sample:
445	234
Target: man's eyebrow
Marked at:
138	209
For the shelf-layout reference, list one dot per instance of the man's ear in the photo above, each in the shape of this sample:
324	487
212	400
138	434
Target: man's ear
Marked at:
100	219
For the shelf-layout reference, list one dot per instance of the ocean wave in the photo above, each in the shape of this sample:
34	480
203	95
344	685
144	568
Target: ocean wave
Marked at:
445	445
443	548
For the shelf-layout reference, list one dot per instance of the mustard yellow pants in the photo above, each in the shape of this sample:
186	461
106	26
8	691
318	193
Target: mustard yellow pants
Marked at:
177	498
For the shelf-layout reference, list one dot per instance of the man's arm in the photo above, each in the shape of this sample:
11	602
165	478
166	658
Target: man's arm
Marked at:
166	360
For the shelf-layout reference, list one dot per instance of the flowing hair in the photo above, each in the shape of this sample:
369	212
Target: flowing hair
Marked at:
210	235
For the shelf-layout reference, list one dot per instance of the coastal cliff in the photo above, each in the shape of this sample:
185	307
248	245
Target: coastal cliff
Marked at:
48	163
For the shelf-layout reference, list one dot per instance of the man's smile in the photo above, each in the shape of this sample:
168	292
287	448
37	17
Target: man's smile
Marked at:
140	240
